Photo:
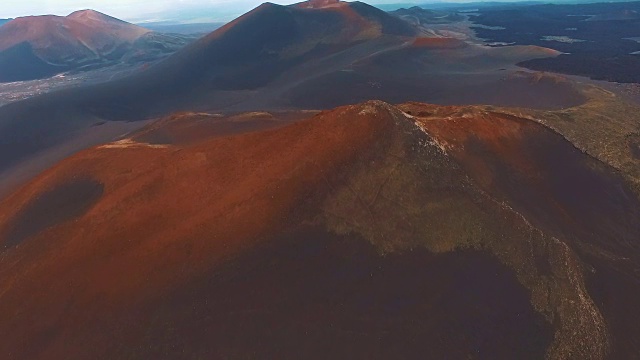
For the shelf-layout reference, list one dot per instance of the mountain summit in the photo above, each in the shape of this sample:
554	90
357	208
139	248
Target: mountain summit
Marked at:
121	30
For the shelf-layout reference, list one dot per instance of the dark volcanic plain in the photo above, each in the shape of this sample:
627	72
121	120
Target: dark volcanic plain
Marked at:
596	39
232	202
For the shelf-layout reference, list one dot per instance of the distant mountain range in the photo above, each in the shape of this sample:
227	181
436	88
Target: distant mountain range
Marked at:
77	38
41	46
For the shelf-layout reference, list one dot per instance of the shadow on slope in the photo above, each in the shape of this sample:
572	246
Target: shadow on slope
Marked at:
19	63
63	203
315	295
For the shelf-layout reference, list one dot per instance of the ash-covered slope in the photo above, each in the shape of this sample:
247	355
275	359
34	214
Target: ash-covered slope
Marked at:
369	231
258	46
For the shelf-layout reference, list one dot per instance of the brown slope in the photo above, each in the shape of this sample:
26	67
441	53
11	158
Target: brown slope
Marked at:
237	246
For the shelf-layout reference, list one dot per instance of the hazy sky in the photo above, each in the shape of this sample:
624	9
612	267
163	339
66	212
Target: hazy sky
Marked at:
144	10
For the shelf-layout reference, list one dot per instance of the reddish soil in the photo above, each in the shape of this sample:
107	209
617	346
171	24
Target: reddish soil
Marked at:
189	128
159	222
188	240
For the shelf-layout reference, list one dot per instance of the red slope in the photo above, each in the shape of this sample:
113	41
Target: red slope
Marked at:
156	217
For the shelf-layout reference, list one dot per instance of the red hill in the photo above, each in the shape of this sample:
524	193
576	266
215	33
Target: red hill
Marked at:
386	232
